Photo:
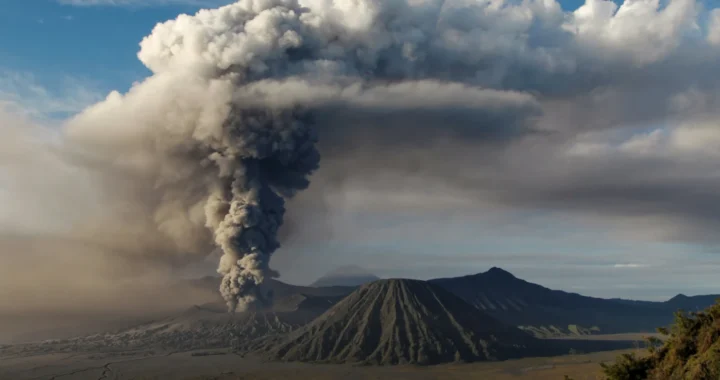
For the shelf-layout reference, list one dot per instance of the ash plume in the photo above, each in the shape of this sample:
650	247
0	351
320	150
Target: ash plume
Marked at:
222	133
201	156
237	166
267	156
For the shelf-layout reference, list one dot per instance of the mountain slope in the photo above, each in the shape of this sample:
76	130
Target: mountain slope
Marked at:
401	321
546	312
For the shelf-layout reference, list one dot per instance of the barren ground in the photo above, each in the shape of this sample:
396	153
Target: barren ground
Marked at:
220	364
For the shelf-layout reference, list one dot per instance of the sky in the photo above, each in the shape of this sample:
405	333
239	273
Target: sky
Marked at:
93	45
595	173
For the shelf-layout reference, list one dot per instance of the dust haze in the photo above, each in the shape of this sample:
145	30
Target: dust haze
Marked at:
66	267
51	282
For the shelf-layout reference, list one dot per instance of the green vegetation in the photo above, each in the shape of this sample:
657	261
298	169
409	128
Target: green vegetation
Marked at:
628	367
691	352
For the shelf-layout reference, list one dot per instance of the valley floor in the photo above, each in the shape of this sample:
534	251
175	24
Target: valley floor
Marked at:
221	365
631	337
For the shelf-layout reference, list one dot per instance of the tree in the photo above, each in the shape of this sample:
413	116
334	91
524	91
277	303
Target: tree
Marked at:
628	367
691	351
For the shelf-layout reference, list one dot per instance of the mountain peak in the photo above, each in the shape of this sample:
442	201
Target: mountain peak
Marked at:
679	297
499	272
372	325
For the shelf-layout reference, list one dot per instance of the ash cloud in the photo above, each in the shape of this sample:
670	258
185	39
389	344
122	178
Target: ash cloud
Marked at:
510	103
223	132
599	155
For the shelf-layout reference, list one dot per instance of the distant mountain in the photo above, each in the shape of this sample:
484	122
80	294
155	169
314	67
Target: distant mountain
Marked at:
680	301
545	312
391	321
401	321
346	276
385	322
692	303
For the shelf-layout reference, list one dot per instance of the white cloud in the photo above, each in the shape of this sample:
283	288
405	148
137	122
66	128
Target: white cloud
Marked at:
643	144
643	29
713	36
696	140
630	265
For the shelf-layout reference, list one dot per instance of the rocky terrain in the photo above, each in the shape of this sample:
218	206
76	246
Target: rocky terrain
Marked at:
199	327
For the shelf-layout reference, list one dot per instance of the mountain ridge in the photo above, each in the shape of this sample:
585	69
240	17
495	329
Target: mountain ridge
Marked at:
532	308
539	310
546	312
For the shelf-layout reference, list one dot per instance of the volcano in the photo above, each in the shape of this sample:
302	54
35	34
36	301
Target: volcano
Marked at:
401	321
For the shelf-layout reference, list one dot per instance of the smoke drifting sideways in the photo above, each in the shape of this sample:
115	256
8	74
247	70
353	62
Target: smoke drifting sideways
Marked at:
224	130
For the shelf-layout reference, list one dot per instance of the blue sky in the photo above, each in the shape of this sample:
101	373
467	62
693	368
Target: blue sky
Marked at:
94	44
97	44
56	57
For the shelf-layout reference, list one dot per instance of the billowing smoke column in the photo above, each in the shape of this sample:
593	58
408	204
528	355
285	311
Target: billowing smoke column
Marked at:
222	132
208	152
265	156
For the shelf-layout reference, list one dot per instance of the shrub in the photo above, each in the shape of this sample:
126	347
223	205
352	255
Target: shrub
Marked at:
628	367
691	352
